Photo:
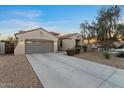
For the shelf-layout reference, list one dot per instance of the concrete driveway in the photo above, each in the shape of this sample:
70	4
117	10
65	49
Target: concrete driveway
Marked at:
60	71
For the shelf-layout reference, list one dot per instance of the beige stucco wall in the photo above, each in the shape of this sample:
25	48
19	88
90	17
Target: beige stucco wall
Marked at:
38	34
70	43
67	44
20	48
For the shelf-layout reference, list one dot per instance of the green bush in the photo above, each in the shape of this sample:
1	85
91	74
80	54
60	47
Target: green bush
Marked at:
107	55
70	52
121	54
77	50
120	47
85	48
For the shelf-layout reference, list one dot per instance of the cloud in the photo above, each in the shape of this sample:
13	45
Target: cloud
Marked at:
16	20
19	23
64	22
31	14
14	25
23	14
62	30
63	26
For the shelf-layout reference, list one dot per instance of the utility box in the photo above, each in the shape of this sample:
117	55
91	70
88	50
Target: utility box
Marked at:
2	48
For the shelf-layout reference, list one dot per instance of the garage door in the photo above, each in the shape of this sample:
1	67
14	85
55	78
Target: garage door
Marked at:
39	46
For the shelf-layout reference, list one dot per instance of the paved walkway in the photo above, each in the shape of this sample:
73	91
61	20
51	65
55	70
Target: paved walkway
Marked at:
60	71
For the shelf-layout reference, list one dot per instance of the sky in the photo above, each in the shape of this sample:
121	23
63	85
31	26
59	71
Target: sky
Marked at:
61	19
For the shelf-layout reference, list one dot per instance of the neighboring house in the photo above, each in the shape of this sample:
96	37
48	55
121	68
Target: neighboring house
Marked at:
5	37
69	41
35	41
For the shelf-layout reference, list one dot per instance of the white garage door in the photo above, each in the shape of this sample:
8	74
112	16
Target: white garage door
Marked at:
38	46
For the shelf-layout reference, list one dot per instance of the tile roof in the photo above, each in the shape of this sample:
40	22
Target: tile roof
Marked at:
23	31
67	36
26	31
54	33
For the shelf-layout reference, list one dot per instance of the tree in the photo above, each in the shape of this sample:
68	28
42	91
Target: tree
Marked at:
106	27
11	39
107	22
120	28
83	27
92	28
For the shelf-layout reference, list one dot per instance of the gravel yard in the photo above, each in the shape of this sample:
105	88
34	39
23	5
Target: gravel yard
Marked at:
15	71
98	58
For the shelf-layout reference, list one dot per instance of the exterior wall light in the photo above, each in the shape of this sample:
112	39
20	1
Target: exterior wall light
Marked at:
21	42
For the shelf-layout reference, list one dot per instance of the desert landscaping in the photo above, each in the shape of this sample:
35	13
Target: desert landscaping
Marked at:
15	71
99	58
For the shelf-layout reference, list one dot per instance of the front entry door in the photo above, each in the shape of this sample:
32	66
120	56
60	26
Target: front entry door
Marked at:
77	42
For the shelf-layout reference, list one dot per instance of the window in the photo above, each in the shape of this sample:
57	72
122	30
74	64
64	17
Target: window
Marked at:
29	42
60	43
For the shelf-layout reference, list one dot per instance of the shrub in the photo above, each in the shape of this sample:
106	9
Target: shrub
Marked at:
107	55
70	52
121	54
77	50
120	47
114	46
85	48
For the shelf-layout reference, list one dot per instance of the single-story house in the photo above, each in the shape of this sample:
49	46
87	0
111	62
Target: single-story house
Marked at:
35	41
41	41
69	41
